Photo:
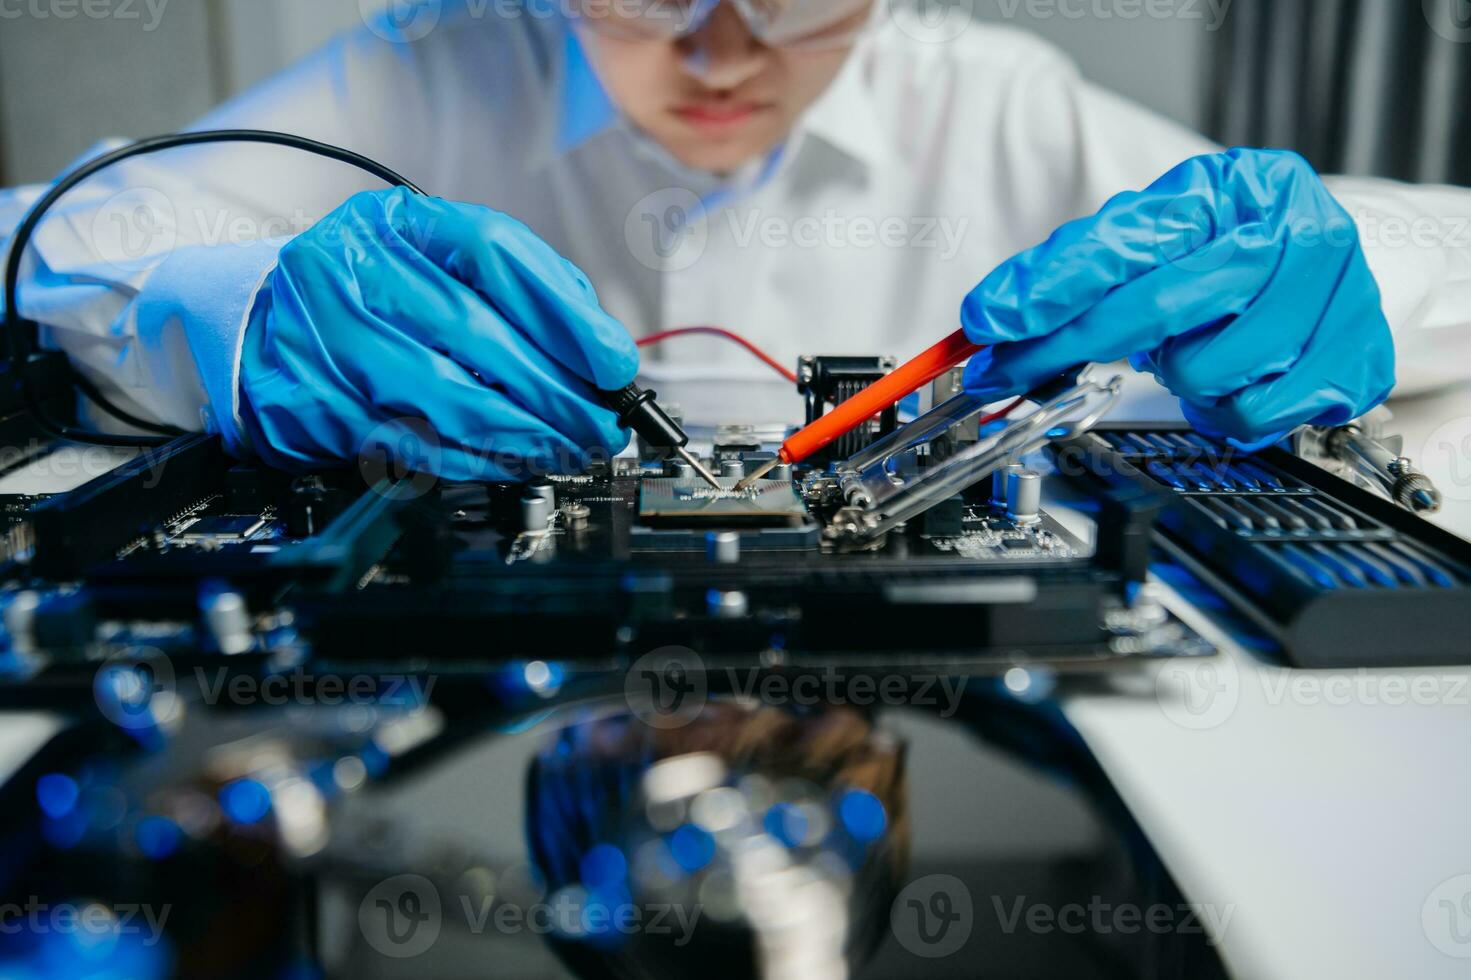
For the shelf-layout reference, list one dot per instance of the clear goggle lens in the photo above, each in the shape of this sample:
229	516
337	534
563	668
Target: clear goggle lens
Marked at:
778	23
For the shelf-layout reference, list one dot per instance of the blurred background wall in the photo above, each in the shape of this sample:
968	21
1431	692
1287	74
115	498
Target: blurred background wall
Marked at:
66	82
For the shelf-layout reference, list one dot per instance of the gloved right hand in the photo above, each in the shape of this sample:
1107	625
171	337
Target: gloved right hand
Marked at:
398	307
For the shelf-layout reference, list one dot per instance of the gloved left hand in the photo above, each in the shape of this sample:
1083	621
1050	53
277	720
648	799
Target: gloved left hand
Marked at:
1236	279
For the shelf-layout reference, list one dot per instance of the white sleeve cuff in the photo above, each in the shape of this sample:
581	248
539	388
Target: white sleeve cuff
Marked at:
199	300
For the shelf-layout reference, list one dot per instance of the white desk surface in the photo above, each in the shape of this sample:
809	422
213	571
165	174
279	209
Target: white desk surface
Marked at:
1325	817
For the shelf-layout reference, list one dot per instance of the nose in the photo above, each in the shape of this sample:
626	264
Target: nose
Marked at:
724	53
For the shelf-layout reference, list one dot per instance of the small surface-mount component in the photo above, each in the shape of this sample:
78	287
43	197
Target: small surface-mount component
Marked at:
672	503
223	527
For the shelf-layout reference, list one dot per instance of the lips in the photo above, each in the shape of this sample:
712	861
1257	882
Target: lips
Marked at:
721	116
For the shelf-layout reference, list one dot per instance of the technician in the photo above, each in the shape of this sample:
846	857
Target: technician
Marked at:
818	175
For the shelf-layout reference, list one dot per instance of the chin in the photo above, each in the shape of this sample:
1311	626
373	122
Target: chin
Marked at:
718	156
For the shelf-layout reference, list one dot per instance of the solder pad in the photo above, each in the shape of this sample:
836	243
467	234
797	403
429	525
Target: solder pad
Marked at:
666	502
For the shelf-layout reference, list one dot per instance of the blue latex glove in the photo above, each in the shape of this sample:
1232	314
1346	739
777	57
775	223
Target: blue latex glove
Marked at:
1236	279
455	317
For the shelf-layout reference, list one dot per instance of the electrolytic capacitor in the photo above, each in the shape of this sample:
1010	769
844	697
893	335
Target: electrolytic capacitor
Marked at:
723	547
535	513
1024	495
999	482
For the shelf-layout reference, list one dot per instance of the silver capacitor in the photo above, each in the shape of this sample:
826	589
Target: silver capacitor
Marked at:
723	547
535	513
1024	496
732	604
1000	481
732	468
228	621
546	491
678	469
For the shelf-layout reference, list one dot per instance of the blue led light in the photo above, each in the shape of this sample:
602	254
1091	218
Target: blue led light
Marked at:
375	760
66	832
692	847
158	837
57	794
787	824
600	915
603	867
862	815
245	801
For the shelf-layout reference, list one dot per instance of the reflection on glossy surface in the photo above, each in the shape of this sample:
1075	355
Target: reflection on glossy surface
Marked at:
753	841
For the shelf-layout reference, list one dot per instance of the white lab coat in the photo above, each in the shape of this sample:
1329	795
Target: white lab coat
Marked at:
928	161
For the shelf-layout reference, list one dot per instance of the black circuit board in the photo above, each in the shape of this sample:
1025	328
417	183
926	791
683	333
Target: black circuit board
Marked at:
652	519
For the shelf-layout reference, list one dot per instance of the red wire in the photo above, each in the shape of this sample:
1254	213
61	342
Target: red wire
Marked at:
775	365
997	416
729	335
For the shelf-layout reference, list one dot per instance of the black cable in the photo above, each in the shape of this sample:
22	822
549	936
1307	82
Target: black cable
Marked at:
18	330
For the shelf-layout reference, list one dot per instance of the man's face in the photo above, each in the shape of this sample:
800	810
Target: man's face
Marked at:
720	97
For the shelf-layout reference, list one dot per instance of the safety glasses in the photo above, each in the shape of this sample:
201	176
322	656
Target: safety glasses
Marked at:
777	23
